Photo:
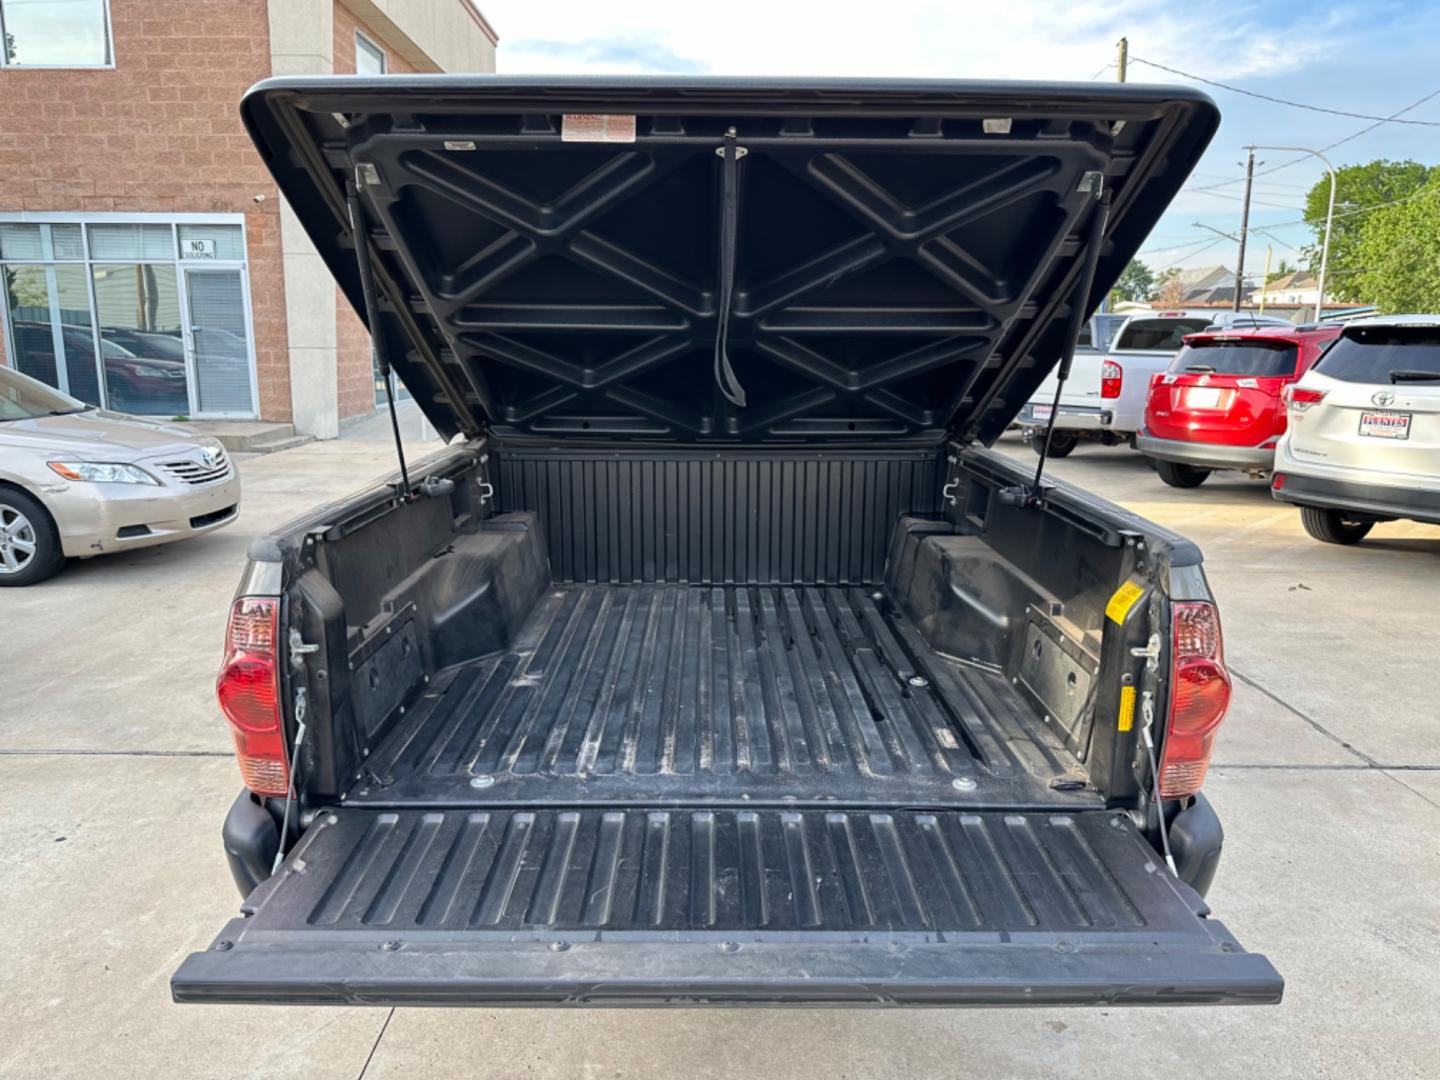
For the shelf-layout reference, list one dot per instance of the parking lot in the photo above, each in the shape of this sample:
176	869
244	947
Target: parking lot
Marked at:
116	770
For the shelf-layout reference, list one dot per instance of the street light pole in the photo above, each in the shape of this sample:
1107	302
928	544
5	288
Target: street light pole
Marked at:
1329	216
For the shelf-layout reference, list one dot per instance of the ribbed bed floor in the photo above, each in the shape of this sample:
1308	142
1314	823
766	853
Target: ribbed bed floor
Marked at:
677	693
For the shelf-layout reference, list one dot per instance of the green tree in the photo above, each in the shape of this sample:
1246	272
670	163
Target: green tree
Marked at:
1279	272
1398	255
1358	188
1136	283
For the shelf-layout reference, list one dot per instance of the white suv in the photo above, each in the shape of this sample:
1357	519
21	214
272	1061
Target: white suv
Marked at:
1364	438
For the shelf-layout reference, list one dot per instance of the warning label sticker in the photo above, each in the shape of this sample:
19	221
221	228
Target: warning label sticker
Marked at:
597	127
1123	600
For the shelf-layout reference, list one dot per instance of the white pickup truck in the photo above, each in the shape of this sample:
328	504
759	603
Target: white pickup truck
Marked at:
1104	397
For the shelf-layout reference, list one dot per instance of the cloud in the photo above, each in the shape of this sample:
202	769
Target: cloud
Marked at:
1036	39
1366	55
634	55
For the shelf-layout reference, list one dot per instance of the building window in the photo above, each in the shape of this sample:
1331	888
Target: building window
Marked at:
369	57
56	33
137	315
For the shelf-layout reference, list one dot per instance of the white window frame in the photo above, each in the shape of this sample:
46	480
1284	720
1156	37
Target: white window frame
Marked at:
362	38
39	217
109	39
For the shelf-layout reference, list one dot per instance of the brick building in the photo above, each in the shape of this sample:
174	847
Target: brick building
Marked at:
146	260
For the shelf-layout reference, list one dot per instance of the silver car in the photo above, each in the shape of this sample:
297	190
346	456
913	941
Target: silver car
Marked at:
77	481
1363	444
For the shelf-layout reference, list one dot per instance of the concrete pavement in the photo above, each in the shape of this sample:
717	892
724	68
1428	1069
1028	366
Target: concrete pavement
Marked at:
115	772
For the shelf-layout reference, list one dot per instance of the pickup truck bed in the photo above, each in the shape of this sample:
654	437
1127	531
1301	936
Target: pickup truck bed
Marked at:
715	661
703	694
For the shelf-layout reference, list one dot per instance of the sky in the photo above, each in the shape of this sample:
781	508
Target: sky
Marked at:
1373	58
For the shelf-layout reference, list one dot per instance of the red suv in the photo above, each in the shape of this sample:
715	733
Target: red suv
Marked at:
1218	406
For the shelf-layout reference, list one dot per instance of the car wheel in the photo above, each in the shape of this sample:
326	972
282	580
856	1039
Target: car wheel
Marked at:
29	545
1061	443
1181	476
1334	526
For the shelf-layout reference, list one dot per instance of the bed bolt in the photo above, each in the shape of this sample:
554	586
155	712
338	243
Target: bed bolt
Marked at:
1064	947
483	781
559	946
877	596
224	946
918	681
963	783
389	946
332	820
728	946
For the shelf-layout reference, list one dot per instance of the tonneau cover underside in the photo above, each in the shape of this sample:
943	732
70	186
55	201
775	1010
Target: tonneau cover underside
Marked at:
906	252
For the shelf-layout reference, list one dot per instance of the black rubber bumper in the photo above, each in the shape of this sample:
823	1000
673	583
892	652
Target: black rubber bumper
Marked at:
251	837
1366	499
1195	842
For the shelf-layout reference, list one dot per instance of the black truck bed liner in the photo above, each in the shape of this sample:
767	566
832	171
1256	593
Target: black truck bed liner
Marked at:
672	693
732	906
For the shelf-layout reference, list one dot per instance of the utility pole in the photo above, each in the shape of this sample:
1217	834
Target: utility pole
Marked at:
1122	57
1244	227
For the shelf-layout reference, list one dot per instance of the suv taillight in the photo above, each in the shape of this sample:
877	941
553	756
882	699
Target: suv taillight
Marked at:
1199	697
1112	376
248	689
1299	399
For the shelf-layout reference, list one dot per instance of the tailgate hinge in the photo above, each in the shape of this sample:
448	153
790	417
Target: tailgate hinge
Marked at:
1150	653
299	649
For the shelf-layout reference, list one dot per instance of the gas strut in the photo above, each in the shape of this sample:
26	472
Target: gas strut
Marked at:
361	231
1079	311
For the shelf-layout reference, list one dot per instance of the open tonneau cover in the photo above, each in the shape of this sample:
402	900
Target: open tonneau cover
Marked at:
727	260
635	906
811	806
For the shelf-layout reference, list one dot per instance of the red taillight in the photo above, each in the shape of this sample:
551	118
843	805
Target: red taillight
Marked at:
248	689
1277	481
1300	398
1199	697
1111	378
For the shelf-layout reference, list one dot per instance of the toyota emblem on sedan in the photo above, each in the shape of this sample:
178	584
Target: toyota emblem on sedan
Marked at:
1383	398
210	456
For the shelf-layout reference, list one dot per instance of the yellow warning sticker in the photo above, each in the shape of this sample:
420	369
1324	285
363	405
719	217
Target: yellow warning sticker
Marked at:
1126	718
1123	600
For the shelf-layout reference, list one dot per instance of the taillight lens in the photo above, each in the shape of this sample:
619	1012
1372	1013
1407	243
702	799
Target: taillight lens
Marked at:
248	689
1112	377
1199	698
1300	398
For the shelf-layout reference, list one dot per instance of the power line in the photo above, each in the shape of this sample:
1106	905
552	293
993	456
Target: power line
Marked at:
1204	247
1175	247
1392	118
1240	180
1423	193
1239	198
1284	101
1102	71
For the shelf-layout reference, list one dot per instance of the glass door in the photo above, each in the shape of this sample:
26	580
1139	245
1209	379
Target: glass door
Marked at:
219	342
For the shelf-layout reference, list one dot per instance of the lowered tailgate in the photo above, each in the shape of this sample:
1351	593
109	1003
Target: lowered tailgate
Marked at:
724	906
